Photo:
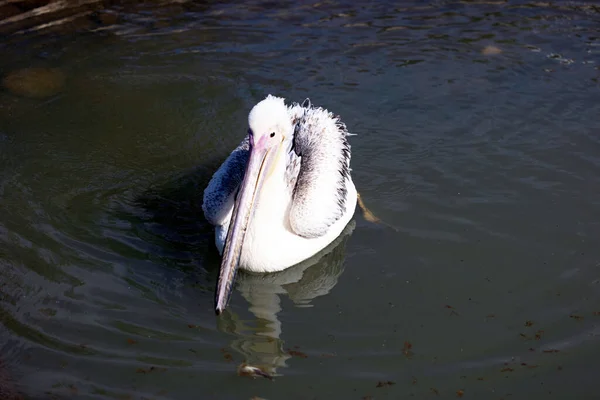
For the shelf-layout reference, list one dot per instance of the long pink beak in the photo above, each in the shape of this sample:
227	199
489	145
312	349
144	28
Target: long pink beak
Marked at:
261	158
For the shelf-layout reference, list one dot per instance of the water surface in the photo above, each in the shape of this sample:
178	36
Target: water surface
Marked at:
477	139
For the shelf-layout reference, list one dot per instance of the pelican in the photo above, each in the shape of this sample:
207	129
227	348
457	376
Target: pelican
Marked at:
283	194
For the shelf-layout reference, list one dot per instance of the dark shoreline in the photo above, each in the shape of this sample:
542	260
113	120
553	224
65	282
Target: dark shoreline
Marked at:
23	18
27	16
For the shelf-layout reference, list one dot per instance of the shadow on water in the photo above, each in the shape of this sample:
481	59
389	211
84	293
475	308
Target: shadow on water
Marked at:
175	214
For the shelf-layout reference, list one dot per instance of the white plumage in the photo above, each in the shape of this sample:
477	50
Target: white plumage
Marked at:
287	187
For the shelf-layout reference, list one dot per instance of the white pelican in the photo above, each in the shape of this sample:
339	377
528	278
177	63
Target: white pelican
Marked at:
286	187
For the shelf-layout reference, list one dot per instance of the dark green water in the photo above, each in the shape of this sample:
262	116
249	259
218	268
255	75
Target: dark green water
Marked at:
487	164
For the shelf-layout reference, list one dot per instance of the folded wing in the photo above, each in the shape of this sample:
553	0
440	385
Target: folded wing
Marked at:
319	195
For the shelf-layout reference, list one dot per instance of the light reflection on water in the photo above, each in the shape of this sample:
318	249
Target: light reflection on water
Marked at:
476	138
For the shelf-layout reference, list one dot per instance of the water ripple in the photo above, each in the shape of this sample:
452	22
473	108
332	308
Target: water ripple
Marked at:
476	137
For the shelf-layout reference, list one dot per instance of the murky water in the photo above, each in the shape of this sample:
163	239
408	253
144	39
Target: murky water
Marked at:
477	139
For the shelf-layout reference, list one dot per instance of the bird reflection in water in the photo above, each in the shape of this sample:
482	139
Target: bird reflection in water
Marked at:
261	345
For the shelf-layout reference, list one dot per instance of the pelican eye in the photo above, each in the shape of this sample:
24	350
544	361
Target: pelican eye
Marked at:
272	134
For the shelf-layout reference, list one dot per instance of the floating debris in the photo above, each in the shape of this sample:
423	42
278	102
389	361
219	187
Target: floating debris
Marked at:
406	349
538	334
460	393
560	58
253	372
453	310
297	353
576	317
528	323
151	369
491	50
535	49
385	383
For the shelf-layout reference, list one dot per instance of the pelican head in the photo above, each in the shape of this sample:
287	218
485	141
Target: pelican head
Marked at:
270	116
270	133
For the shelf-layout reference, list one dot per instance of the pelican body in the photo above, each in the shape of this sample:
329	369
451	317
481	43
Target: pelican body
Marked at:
283	194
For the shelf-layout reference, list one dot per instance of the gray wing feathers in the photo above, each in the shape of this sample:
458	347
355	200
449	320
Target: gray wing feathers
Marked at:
220	191
319	197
